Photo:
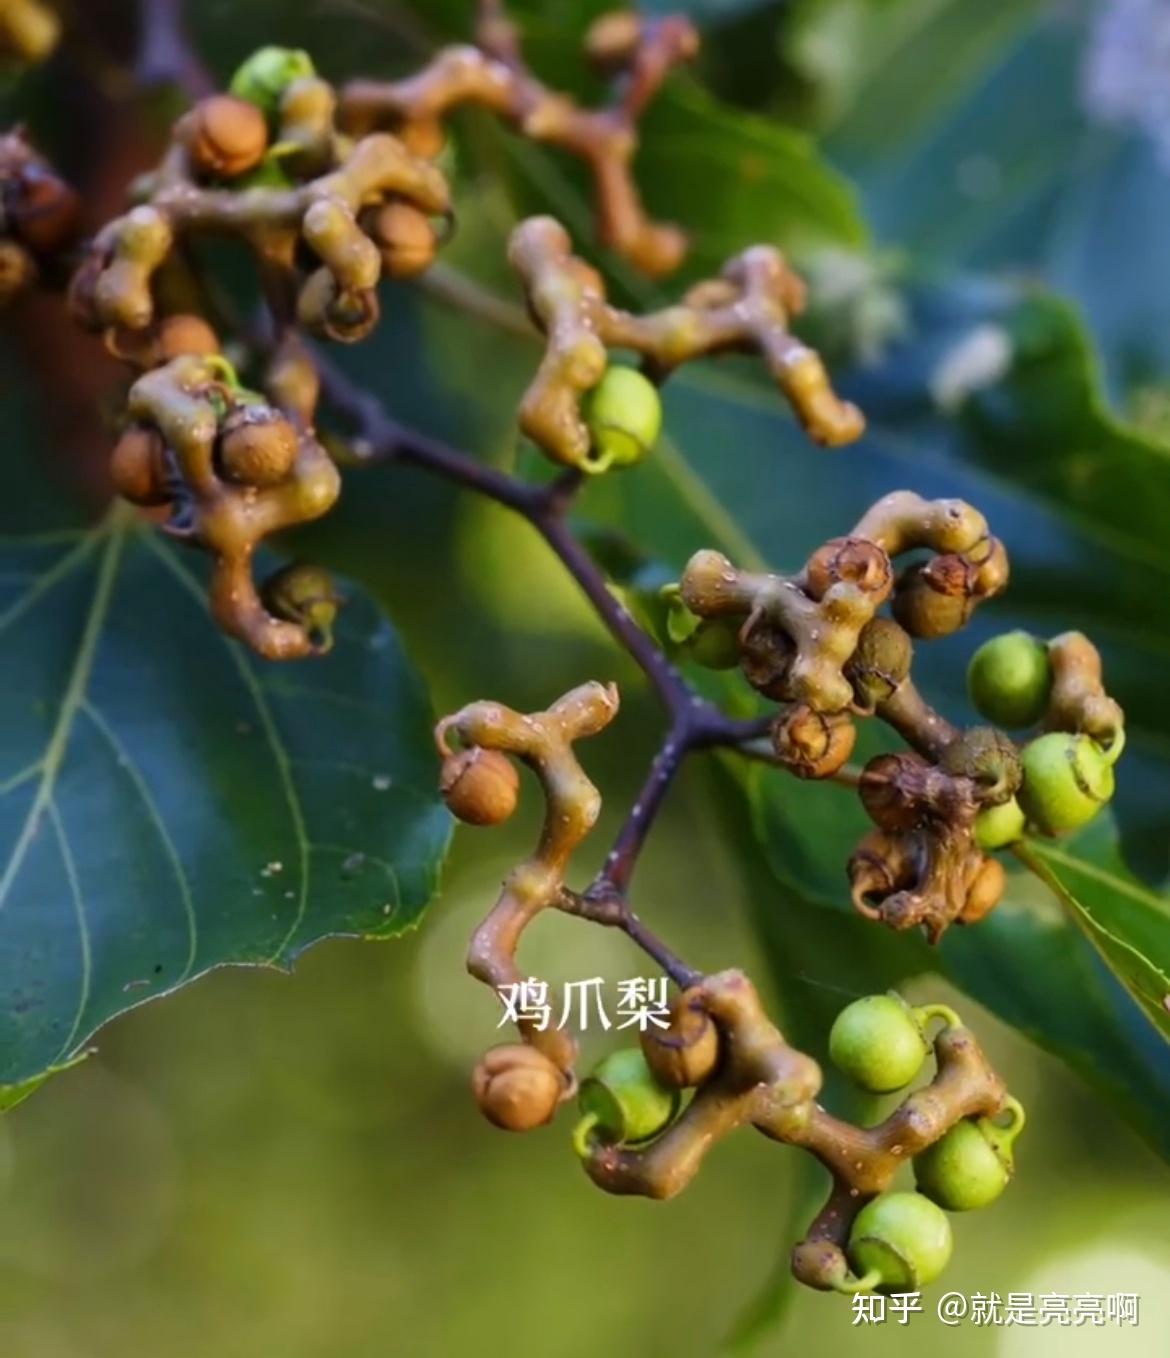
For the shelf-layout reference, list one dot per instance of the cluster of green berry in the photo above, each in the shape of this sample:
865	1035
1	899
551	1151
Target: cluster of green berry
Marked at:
898	1240
1018	681
902	1240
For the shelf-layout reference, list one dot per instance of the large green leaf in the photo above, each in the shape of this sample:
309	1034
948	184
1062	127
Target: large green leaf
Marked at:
169	804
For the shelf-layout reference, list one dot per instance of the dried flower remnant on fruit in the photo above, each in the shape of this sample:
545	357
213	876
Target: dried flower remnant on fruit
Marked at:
638	51
266	164
480	786
234	470
747	309
304	594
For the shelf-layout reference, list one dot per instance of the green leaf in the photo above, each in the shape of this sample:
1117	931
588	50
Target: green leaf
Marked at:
1012	158
169	804
735	178
1125	921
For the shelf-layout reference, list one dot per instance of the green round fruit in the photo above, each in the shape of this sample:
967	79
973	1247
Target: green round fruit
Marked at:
714	644
267	73
1067	780
879	1043
1010	678
900	1242
961	1171
999	826
623	1102
624	416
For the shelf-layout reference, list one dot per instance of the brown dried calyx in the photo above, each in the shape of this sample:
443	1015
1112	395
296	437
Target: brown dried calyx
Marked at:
922	866
747	309
637	51
479	782
686	1052
39	217
329	206
813	744
234	470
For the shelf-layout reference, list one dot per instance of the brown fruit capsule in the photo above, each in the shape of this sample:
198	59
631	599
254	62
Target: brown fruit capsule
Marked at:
880	663
480	786
185	334
889	789
854	560
138	466
257	446
986	891
342	314
406	239
934	600
224	136
517	1087
41	209
765	658
813	744
686	1053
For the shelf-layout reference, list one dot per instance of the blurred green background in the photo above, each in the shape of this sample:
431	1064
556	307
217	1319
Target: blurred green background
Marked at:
269	1165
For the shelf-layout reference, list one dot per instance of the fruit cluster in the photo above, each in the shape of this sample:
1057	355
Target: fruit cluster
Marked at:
233	469
265	163
748	308
816	643
329	202
38	218
651	1113
637	52
1018	681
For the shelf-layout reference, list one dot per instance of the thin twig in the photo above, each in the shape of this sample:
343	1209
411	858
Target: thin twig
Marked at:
614	913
